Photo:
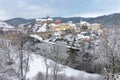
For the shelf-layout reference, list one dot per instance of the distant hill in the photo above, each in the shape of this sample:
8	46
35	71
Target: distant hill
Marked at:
106	20
112	20
73	19
19	21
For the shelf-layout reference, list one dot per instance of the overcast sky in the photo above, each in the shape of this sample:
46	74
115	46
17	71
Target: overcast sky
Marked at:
64	8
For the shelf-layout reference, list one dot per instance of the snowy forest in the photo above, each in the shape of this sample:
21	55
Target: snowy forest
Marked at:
26	58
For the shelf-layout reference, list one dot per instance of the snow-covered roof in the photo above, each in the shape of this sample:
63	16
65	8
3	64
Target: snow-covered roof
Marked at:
57	33
81	36
71	24
40	19
84	22
36	37
52	24
49	19
45	41
71	47
95	24
39	28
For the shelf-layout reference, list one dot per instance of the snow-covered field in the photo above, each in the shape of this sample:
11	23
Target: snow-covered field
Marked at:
37	65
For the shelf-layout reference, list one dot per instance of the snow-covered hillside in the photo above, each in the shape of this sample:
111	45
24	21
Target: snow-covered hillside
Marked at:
37	65
5	26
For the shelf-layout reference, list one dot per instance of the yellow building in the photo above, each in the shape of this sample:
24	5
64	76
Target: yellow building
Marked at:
94	26
60	27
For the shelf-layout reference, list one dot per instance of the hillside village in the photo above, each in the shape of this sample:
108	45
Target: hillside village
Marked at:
51	30
48	24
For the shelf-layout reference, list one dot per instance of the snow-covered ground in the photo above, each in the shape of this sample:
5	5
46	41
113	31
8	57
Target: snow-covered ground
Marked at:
118	78
37	65
6	26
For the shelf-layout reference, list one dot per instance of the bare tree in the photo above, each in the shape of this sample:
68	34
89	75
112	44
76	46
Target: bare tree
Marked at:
56	65
23	55
43	53
108	54
39	76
